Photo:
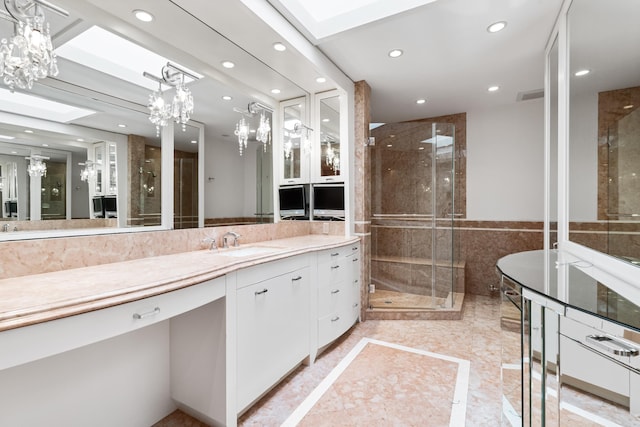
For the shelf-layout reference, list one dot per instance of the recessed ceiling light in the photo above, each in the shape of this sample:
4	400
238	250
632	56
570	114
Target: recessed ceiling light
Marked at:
389	145
325	120
497	26
395	53
581	73
142	15
28	131
7	137
275	91
628	107
227	98
493	88
279	47
14	152
194	141
80	140
228	64
420	148
321	80
45	145
421	101
392	136
121	125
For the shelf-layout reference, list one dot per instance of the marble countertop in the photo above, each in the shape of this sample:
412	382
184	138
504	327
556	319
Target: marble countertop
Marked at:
39	298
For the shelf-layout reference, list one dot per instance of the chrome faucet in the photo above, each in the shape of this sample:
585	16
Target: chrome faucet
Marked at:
212	242
234	235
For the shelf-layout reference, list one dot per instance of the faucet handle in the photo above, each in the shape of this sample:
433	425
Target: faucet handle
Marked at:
211	240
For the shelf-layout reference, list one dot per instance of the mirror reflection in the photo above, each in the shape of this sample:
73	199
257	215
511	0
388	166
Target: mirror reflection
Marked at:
90	128
604	141
330	136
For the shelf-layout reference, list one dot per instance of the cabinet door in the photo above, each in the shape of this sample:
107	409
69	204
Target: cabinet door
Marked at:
272	332
296	143
329	147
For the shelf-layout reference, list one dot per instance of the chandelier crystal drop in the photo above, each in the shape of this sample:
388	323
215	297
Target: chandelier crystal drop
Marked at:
182	106
28	55
263	134
159	111
331	158
242	132
288	147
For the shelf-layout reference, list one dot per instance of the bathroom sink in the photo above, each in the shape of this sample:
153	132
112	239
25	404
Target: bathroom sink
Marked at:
247	251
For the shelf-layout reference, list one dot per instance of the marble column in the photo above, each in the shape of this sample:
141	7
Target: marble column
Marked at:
362	179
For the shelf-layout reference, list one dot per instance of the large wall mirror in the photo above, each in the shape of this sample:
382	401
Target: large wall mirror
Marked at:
604	126
105	159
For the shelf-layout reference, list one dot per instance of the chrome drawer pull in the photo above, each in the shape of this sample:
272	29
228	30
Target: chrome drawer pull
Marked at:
333	267
335	291
335	319
335	254
295	279
355	259
354	249
612	345
153	312
355	305
355	281
264	291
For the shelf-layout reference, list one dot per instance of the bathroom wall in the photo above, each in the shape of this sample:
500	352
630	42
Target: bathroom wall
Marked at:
505	162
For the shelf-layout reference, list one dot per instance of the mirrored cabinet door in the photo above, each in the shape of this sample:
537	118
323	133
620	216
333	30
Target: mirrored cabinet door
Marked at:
327	156
295	142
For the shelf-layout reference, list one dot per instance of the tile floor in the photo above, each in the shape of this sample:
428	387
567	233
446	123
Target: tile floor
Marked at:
476	338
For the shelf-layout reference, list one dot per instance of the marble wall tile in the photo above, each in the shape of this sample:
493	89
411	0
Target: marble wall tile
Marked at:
27	257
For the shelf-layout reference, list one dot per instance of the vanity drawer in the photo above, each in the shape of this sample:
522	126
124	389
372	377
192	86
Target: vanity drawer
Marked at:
333	255
257	273
332	326
22	345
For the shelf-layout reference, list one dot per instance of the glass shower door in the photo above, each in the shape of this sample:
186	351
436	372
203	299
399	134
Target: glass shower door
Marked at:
413	242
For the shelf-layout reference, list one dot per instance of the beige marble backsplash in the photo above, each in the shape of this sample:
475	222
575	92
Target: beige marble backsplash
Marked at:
25	257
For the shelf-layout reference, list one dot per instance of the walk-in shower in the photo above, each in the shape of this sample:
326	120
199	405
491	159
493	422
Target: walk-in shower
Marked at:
415	261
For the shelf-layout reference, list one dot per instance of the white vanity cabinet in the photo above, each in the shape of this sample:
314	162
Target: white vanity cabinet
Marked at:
272	311
338	292
101	368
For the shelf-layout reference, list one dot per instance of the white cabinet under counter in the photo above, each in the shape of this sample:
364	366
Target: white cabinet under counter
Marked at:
204	332
272	327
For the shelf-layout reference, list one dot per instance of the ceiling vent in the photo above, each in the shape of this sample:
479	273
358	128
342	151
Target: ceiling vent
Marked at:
529	95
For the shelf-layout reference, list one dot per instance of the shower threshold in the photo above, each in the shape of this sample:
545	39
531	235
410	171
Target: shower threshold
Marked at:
385	304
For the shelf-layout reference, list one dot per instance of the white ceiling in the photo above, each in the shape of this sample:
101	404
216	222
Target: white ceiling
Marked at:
449	57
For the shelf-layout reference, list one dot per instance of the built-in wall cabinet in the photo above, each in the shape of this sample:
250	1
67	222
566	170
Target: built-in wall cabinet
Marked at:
314	139
313	154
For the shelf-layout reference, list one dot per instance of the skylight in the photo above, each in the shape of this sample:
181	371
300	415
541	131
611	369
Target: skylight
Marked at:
111	54
34	106
329	17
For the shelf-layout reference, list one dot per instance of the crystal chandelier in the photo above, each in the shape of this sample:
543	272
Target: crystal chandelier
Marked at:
37	167
242	132
181	107
28	55
331	158
304	130
89	172
159	111
263	134
288	147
